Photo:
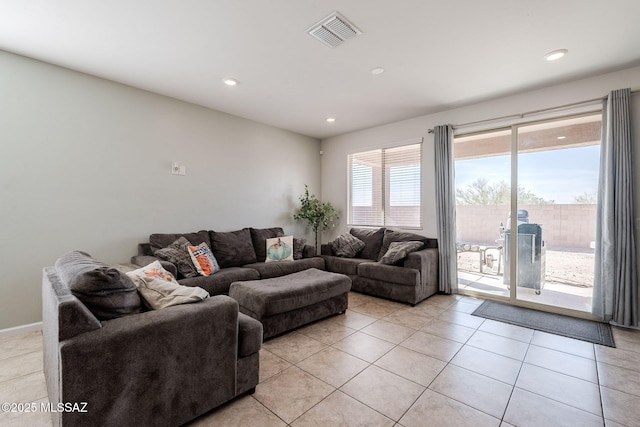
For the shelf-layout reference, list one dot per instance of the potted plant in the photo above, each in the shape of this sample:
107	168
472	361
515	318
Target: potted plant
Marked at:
319	215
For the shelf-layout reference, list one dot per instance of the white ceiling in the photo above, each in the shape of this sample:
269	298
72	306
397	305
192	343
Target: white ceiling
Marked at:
438	54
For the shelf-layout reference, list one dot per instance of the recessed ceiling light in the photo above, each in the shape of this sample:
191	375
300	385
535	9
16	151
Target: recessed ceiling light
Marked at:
555	54
561	137
230	82
377	70
330	119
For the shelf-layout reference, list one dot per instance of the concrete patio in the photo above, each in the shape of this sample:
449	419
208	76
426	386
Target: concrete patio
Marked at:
568	278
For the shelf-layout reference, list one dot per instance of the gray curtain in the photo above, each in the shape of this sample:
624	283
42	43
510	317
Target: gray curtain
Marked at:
615	291
445	209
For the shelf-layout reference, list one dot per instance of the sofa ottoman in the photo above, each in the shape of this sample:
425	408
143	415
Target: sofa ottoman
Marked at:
287	302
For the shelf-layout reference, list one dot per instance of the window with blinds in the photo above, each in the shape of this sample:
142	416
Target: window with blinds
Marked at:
385	187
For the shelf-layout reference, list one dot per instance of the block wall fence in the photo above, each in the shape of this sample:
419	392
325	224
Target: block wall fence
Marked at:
567	227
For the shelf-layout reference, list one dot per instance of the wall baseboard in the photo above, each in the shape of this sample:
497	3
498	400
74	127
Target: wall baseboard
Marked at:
20	330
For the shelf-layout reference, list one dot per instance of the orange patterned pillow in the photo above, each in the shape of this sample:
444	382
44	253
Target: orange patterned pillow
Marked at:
203	259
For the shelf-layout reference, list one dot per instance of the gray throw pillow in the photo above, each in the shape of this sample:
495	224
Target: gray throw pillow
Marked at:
298	248
400	236
233	248
177	253
162	240
346	245
106	291
399	251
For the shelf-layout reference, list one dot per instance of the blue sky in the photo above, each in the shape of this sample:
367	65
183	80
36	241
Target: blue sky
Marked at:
558	175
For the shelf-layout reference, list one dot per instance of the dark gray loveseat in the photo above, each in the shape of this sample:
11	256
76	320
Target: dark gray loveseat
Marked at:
411	281
161	367
241	255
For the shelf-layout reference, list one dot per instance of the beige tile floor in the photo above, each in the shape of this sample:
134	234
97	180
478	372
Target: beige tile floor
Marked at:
389	364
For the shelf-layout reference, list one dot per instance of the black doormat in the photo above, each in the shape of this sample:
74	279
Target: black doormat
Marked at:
580	329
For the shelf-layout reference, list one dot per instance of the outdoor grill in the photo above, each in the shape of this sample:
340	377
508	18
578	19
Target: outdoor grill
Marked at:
531	253
523	218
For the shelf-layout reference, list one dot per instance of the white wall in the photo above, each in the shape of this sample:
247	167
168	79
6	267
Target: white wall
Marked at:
336	149
85	164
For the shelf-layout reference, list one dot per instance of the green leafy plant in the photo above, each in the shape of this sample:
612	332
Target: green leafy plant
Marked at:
319	215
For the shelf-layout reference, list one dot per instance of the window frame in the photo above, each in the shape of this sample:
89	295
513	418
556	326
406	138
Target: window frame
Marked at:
381	191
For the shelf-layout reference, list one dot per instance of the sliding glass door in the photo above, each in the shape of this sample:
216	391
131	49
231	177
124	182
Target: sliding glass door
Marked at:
557	174
526	212
483	201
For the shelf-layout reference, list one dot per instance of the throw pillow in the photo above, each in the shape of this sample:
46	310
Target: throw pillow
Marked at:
160	289
203	259
233	248
399	251
372	239
279	249
400	236
162	240
346	245
259	238
178	254
106	291
298	248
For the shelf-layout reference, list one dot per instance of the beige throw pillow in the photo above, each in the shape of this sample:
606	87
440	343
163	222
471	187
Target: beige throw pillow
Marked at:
160	289
279	249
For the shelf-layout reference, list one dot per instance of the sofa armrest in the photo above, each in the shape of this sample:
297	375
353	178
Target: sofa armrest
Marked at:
309	251
145	249
162	367
144	260
426	262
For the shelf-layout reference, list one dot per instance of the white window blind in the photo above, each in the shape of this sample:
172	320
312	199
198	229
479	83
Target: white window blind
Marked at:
385	187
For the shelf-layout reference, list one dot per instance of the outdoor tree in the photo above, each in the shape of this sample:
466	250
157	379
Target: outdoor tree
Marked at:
586	199
482	192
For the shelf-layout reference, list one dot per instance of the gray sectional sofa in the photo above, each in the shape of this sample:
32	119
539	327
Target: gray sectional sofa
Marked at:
124	366
134	366
411	280
241	255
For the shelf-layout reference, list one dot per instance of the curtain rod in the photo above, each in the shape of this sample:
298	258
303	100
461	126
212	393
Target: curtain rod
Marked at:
534	112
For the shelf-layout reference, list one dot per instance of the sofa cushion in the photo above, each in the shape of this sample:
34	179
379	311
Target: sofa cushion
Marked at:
160	289
346	245
399	236
398	251
372	239
347	266
177	253
279	249
159	240
298	248
106	291
203	259
233	248
259	238
389	273
268	270
218	284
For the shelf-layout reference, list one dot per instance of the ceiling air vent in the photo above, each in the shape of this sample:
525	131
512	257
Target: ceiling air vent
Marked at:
333	30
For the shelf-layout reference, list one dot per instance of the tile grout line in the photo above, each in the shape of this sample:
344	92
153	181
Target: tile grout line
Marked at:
513	389
595	355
